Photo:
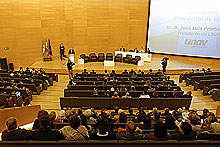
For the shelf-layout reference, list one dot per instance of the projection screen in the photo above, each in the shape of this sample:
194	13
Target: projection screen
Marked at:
185	27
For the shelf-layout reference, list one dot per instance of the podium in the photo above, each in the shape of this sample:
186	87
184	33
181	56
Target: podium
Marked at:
72	57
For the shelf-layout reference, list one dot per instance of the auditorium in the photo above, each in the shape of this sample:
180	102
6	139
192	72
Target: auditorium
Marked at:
109	73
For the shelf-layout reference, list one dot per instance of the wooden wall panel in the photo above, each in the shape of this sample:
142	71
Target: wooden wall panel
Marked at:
86	25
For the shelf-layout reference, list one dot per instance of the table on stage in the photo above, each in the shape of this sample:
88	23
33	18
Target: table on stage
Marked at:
144	56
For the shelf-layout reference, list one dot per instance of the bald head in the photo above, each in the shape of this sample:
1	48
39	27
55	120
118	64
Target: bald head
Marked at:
130	127
11	123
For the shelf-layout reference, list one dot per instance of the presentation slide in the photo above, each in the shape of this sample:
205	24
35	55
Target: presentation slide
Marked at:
185	27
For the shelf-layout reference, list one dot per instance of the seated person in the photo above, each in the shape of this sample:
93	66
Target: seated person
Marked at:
130	133
103	132
136	50
127	95
166	112
160	132
123	88
142	50
205	113
12	131
170	122
133	75
130	112
84	71
198	71
122	49
53	118
95	93
93	72
146	122
131	72
144	95
208	70
159	72
75	131
122	118
113	73
185	132
133	88
36	124
72	83
9	102
45	133
125	72
187	95
115	96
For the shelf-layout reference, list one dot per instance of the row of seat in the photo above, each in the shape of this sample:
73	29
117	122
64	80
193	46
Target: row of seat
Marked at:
109	56
105	102
116	143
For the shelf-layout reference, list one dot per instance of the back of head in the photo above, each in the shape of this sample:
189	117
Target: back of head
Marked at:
169	120
122	117
41	113
130	111
52	115
160	129
44	121
186	128
103	126
11	123
74	121
130	127
68	113
147	121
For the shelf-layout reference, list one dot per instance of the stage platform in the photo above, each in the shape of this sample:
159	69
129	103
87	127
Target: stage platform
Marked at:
176	65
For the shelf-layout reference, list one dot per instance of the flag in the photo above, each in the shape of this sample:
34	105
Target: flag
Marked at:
43	48
50	50
46	46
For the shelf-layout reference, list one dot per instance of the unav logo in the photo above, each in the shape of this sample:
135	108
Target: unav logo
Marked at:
195	42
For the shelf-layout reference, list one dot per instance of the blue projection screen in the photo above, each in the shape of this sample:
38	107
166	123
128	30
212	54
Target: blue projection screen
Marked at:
185	27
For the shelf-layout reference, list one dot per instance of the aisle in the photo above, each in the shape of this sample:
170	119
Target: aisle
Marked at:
50	99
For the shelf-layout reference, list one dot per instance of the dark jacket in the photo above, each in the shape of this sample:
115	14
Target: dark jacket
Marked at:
124	136
205	136
179	136
19	134
37	125
46	135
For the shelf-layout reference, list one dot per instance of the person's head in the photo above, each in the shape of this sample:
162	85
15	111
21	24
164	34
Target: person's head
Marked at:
185	128
115	93
211	119
44	121
11	123
84	70
208	69
158	70
41	113
122	117
88	113
106	71
130	127
150	70
189	93
160	129
154	110
194	119
166	110
74	121
147	121
52	115
102	126
79	111
68	113
130	110
205	112
156	116
61	44
169	120
20	68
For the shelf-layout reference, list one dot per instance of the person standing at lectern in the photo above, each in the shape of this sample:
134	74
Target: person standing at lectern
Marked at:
71	51
70	68
164	64
62	51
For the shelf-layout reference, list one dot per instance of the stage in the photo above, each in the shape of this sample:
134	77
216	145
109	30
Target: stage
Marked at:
176	65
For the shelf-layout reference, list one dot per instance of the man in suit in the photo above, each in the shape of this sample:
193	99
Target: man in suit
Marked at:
62	51
70	68
122	49
71	51
164	64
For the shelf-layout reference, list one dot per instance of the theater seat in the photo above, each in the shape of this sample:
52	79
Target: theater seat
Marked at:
109	56
92	57
127	59
118	58
101	57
